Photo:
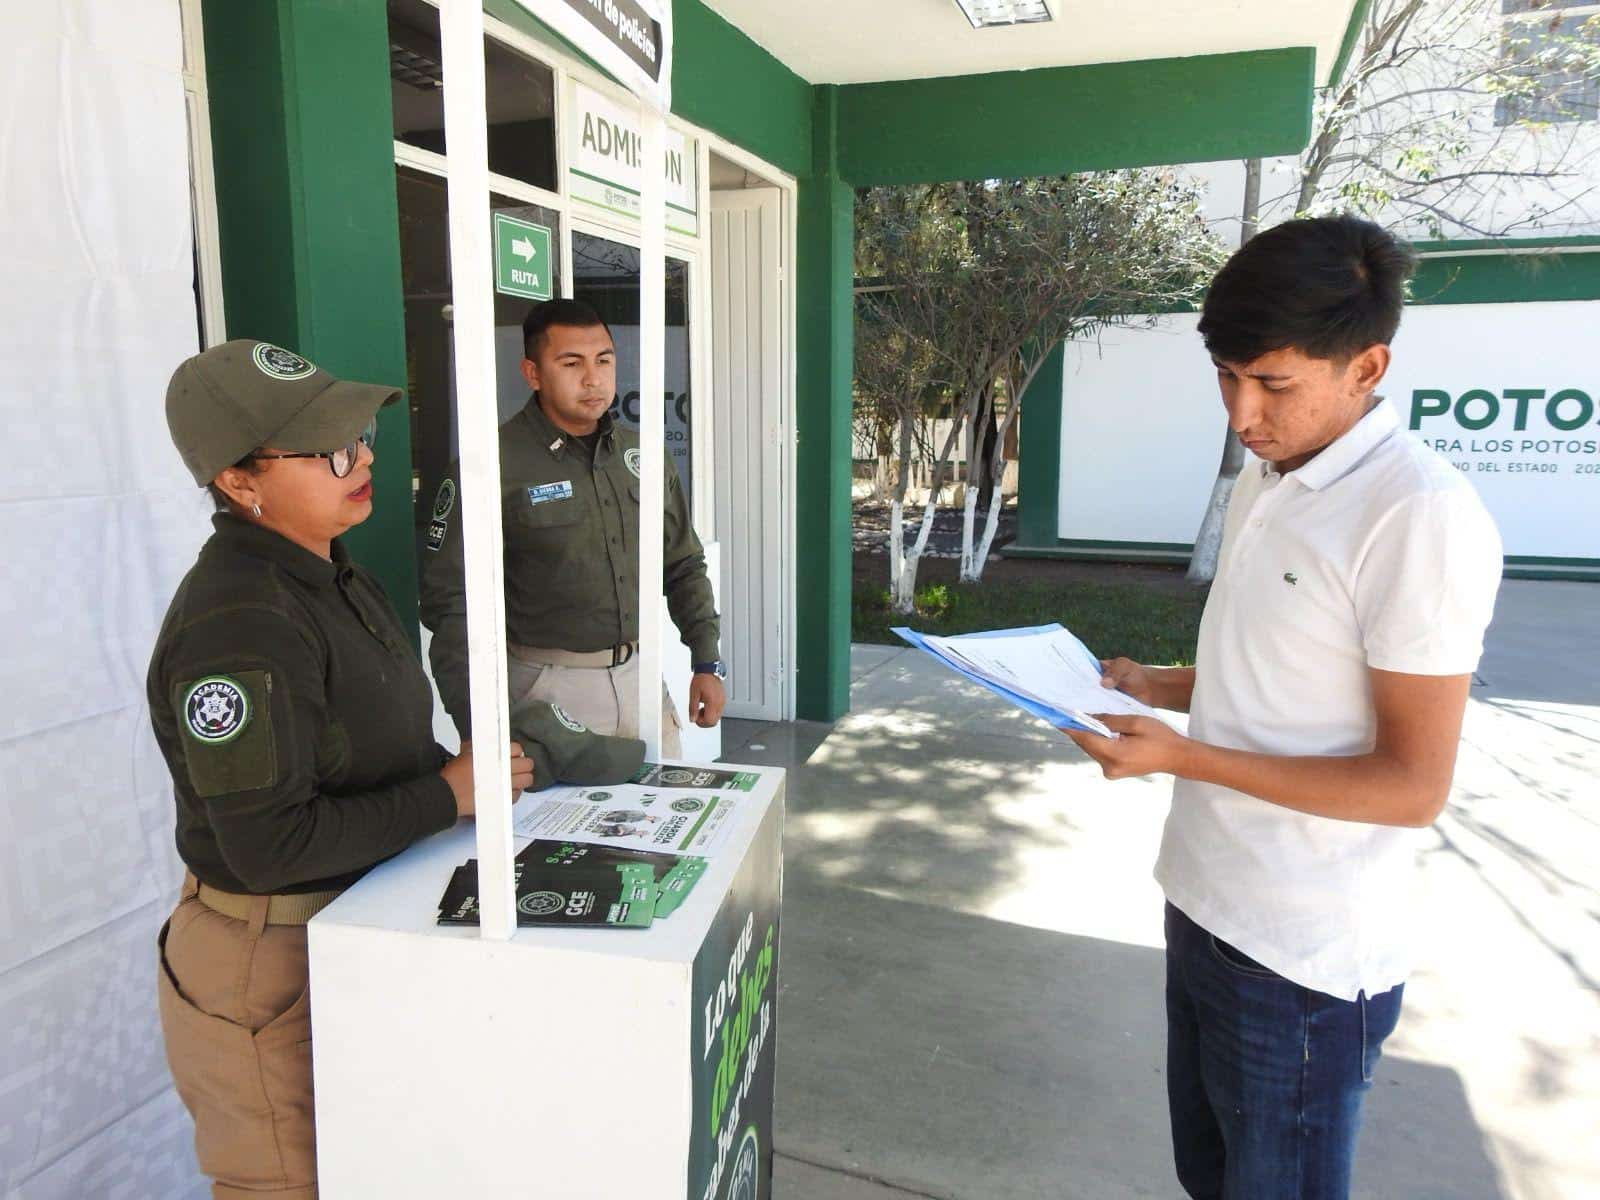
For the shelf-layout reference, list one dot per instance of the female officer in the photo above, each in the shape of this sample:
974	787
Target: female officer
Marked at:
297	724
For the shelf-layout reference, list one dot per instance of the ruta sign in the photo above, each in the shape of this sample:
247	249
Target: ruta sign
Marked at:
522	258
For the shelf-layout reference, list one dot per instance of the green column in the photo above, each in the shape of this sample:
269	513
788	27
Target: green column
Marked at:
303	148
1039	456
825	349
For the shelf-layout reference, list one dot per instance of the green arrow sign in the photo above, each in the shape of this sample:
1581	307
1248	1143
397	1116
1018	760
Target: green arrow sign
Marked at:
522	258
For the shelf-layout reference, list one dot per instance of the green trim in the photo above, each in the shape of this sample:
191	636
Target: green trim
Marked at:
1039	469
724	82
1507	278
1566	574
824	343
304	164
622	187
1085	549
1505	244
1152	112
1540	560
1352	37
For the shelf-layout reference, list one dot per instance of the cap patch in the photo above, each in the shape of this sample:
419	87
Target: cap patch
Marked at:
277	363
571	723
216	710
631	459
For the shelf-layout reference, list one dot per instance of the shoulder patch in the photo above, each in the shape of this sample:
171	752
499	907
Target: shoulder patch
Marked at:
216	709
631	459
570	722
444	503
277	363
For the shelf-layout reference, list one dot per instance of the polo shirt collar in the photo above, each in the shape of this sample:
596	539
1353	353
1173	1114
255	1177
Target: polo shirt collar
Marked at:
240	535
1344	453
548	435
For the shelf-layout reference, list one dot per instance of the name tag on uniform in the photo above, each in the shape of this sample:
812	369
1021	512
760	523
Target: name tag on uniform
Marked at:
545	493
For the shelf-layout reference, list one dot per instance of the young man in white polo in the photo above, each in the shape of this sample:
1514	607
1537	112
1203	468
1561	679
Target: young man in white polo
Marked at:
1358	573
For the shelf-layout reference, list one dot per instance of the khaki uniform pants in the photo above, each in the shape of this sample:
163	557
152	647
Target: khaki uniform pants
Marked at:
235	1004
603	698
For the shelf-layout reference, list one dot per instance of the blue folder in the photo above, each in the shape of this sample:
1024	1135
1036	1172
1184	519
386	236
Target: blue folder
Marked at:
1044	712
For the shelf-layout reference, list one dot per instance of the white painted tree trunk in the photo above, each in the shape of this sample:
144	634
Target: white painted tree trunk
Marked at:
1208	542
991	526
969	513
903	588
903	595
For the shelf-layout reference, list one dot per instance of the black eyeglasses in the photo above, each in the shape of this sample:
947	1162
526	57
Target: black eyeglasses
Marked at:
341	461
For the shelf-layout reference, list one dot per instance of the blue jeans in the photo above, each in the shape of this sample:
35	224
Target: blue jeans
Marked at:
1264	1077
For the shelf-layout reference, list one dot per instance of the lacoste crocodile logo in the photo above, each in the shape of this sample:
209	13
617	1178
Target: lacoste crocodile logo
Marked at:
1291	578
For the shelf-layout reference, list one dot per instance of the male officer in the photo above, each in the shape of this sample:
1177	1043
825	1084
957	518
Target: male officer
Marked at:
570	494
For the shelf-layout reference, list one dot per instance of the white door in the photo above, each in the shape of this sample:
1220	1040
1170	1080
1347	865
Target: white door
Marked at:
748	410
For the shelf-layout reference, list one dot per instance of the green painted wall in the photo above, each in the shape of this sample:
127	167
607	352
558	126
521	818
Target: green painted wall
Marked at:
1045	122
304	160
1504	278
824	339
1039	455
724	82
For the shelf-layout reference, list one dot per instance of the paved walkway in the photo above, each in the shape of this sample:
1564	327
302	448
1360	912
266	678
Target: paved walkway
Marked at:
971	983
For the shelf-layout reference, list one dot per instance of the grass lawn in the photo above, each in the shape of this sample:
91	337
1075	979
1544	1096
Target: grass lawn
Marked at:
1149	625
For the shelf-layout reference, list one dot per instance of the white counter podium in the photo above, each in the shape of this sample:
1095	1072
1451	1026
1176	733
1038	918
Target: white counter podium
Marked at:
564	1064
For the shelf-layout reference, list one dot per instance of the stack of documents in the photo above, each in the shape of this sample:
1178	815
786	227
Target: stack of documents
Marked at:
571	883
1041	669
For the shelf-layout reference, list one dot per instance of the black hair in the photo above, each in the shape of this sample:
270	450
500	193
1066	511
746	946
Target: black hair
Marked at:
1328	287
219	497
574	314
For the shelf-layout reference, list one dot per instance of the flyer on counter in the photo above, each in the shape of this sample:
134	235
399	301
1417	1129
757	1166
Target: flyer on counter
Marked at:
655	775
630	815
623	896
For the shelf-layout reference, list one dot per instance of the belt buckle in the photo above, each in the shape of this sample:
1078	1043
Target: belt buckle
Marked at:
621	653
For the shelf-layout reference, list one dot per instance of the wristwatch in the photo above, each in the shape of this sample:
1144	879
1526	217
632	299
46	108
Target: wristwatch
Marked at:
711	668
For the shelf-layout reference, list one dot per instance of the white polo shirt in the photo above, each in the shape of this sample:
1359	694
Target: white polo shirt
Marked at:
1375	554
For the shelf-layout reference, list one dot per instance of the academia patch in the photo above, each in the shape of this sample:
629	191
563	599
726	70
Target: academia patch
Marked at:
546	492
572	723
277	363
445	502
631	459
216	710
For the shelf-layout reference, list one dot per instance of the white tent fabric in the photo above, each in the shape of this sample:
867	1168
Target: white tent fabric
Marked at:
101	522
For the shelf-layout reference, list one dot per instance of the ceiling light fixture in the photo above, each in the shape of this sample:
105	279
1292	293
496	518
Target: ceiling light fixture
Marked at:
985	14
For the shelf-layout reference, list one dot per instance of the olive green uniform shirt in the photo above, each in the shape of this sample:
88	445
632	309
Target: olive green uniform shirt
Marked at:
294	716
571	529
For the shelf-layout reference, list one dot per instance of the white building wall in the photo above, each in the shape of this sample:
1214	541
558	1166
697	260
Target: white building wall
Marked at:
101	521
1143	423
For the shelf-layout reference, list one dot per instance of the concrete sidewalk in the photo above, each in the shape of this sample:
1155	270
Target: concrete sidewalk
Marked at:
971	984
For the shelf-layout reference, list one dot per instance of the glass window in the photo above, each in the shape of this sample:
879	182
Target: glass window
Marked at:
606	274
430	368
1553	54
520	97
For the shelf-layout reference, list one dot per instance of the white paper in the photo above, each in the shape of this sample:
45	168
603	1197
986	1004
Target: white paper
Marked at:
679	821
1052	668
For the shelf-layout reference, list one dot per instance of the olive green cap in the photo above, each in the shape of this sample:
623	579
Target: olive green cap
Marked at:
244	394
564	750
